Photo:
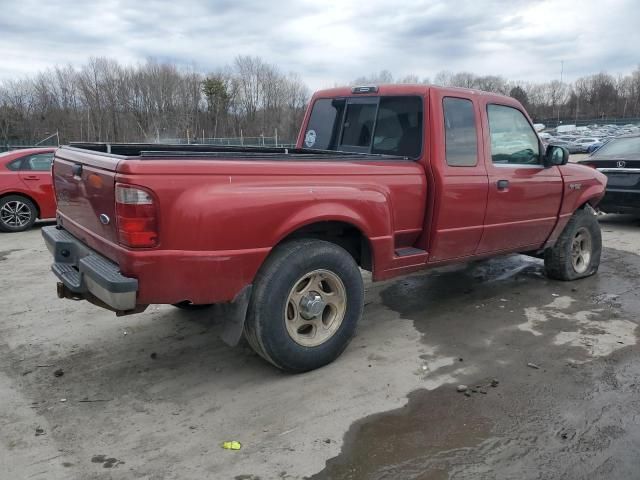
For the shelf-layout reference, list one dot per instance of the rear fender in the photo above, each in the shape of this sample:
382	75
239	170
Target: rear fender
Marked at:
373	219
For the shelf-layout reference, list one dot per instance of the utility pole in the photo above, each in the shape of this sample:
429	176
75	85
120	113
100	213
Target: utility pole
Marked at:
561	74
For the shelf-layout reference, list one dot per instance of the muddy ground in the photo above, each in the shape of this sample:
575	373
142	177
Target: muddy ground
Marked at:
153	395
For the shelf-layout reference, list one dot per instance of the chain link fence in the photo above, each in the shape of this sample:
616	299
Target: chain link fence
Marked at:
261	141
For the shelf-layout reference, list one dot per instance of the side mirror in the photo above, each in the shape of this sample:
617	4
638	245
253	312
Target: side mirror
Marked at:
555	155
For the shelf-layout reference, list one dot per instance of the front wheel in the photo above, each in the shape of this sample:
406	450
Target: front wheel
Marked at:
306	302
576	253
17	213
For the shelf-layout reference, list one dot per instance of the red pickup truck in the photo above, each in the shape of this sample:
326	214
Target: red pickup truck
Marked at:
390	179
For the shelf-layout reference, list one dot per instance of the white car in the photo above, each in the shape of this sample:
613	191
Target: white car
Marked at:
585	142
544	136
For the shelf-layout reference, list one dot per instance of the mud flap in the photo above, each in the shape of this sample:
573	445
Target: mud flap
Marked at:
234	315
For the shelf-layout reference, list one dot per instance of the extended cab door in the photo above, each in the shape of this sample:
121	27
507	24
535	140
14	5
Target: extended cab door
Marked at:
524	196
459	174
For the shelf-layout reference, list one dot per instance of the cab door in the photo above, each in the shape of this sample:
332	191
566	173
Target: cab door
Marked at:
459	174
524	197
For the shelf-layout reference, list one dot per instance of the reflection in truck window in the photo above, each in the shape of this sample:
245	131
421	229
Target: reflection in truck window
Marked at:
358	124
397	122
513	140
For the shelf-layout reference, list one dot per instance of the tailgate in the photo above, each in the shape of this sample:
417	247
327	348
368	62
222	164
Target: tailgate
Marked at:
84	183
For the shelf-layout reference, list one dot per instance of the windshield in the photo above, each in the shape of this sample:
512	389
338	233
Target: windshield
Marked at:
620	146
383	125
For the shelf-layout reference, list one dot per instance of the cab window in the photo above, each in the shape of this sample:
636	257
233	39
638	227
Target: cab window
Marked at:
461	143
324	124
399	127
513	140
379	125
357	130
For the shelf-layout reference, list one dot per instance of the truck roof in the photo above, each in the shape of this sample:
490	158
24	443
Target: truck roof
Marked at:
404	89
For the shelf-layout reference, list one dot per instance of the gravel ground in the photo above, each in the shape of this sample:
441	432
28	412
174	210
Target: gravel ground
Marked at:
552	371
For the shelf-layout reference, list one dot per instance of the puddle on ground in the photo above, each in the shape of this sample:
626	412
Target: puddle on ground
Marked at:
405	442
568	418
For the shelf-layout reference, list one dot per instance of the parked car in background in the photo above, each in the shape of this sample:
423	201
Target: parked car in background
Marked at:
619	160
595	146
26	191
565	128
584	143
570	146
545	137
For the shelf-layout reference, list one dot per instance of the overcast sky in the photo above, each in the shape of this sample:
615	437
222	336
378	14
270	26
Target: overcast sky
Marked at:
330	41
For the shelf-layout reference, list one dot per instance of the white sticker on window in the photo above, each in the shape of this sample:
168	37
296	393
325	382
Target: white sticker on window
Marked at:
310	138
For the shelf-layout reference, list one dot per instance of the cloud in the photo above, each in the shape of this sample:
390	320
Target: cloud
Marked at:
332	41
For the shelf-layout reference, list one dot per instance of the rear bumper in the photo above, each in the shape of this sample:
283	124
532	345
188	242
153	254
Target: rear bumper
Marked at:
620	201
85	273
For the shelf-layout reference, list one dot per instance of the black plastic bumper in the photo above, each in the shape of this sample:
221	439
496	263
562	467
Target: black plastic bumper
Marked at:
616	201
84	271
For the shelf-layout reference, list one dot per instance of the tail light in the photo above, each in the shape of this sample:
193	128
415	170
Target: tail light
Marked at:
136	216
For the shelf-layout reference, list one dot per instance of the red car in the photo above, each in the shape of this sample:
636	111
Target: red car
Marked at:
26	190
390	179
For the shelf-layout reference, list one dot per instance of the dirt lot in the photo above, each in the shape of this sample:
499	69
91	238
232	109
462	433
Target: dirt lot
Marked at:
153	395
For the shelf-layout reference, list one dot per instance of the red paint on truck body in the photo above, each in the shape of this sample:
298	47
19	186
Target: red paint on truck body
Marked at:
218	220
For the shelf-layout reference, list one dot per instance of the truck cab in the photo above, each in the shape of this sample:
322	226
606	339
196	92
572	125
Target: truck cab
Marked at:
490	188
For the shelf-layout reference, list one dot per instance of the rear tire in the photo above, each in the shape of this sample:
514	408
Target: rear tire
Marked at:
17	213
306	302
577	251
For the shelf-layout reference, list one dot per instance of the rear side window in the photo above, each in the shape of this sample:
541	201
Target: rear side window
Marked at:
15	164
381	125
513	140
461	145
40	162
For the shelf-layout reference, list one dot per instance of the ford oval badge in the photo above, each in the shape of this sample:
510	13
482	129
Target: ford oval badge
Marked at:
104	219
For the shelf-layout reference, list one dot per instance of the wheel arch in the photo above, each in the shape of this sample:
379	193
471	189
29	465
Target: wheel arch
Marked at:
25	195
340	232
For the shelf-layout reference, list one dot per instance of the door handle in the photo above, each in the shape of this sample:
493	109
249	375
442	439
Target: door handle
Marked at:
503	184
32	177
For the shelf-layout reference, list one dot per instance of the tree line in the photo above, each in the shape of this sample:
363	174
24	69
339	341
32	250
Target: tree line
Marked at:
104	100
109	102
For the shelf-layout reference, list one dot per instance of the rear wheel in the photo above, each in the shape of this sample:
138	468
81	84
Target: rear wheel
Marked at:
306	302
17	213
576	253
